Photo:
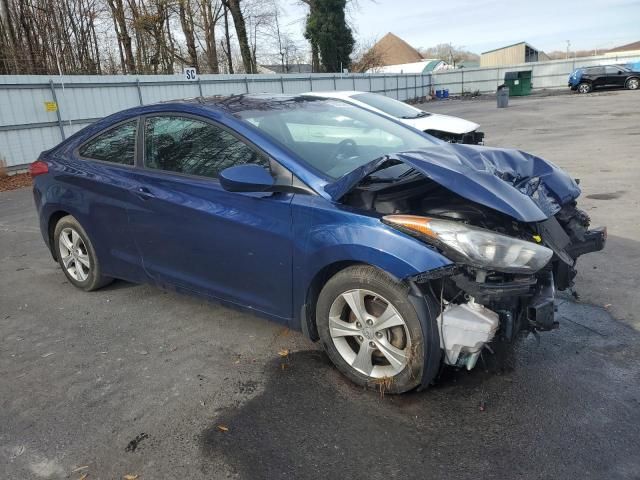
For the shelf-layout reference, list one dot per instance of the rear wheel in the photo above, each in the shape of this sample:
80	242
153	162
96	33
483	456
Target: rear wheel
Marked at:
76	255
371	331
633	84
584	88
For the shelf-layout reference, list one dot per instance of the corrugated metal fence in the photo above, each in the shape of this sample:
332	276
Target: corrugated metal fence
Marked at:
29	123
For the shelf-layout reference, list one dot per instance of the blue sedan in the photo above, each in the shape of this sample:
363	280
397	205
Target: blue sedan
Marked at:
399	252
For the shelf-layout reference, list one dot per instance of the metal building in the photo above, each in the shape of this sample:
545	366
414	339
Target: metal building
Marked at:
512	55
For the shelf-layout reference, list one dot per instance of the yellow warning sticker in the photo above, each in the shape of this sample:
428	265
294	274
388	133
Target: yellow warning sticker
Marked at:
51	106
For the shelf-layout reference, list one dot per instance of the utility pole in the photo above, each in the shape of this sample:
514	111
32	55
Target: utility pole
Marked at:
568	46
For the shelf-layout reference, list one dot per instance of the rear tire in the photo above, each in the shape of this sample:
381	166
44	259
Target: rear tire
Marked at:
387	326
632	84
76	255
584	88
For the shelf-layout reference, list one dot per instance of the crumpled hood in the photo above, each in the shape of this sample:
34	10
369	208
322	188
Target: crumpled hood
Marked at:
510	181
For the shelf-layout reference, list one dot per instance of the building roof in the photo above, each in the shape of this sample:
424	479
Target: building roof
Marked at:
509	46
626	48
395	51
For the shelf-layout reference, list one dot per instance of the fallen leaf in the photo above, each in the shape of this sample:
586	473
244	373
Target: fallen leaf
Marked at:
79	468
222	428
284	352
130	477
84	475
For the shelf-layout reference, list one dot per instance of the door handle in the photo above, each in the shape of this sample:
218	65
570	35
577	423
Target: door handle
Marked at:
143	192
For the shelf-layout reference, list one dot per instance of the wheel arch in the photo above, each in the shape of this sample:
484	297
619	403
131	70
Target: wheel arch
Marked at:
52	221
392	265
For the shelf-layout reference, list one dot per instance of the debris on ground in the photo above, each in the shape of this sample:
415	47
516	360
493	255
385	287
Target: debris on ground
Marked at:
13	182
131	477
133	444
222	428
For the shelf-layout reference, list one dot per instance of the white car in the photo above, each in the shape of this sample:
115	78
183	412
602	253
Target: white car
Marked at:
444	127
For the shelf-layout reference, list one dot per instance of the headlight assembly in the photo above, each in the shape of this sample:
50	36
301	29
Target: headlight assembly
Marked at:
474	246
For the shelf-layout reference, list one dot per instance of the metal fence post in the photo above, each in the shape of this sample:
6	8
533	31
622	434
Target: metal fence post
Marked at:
200	87
246	84
370	84
462	82
354	82
310	83
55	99
397	88
335	84
139	91
282	83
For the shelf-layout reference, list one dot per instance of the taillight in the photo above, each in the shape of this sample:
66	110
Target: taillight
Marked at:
38	168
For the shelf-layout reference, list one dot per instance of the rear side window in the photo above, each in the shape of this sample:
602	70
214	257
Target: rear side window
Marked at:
185	145
117	145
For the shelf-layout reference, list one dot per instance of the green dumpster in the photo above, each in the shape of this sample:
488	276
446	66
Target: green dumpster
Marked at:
519	83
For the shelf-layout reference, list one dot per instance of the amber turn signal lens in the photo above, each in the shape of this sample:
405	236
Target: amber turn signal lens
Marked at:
412	222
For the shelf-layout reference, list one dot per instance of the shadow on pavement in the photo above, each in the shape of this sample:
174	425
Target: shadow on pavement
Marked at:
568	408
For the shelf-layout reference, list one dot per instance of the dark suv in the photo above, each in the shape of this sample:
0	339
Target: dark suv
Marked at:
588	78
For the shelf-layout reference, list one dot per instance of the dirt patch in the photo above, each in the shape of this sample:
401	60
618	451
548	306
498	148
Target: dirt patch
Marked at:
13	182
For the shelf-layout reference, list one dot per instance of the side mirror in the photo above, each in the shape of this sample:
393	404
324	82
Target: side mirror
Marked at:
246	178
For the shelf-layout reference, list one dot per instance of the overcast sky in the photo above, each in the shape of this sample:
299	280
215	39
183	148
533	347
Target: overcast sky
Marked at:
481	25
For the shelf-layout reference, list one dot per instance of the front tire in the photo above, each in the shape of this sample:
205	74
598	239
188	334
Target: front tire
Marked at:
633	84
371	330
76	255
584	88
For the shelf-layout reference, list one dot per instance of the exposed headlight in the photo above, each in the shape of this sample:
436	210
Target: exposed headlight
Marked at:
475	246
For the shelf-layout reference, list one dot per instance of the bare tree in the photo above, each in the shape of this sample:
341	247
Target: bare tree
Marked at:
366	57
241	32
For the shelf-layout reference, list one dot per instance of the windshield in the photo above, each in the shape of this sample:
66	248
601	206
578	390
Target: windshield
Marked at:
389	105
332	136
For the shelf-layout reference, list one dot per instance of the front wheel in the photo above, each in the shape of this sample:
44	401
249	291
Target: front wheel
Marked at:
633	84
584	88
371	331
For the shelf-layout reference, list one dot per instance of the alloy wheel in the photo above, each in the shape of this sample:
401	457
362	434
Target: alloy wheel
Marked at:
74	254
583	88
633	84
369	333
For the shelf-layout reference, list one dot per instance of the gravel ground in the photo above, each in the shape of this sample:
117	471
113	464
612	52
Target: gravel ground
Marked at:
135	380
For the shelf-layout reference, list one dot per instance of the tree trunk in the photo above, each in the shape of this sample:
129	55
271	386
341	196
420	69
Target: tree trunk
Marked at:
227	37
210	18
186	20
241	32
315	58
117	10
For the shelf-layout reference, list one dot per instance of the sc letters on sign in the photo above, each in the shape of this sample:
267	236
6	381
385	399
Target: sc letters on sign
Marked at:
190	73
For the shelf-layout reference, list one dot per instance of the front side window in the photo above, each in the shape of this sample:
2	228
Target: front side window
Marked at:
190	146
117	145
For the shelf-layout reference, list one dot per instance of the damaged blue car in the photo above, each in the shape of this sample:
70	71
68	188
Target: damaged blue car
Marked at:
401	253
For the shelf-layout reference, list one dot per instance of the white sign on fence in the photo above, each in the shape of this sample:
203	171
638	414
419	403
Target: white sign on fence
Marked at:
190	73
